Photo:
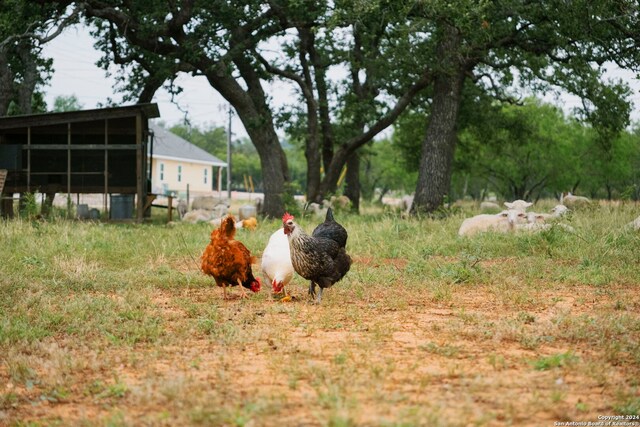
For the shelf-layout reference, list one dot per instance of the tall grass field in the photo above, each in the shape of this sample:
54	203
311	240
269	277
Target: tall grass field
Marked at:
114	325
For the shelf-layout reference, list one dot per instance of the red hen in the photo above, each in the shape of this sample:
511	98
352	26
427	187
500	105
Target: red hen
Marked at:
228	260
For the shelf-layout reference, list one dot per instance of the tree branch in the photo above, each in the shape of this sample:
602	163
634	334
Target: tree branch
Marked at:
42	39
388	119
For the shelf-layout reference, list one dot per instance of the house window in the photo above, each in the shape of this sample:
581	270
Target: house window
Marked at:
206	175
161	171
179	173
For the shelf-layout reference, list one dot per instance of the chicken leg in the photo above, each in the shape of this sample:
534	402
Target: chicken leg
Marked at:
312	289
222	284
243	293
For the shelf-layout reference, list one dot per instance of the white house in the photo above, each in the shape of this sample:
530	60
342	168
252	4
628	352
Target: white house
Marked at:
179	166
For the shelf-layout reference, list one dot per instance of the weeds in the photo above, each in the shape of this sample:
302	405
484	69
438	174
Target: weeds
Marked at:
555	361
100	323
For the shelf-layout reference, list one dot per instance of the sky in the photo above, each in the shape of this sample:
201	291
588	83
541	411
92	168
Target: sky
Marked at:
76	74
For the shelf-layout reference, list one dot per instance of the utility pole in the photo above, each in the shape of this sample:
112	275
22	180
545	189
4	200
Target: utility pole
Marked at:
229	155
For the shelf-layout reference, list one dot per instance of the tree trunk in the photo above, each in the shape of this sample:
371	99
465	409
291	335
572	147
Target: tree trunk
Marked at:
275	172
252	109
434	175
352	188
312	154
330	181
6	82
312	143
30	76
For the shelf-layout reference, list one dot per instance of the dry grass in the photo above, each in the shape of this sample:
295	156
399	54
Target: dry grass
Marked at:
114	325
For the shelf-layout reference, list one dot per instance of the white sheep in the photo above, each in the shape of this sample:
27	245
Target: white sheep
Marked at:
538	221
502	222
571	201
556	212
539	226
519	205
533	217
559	210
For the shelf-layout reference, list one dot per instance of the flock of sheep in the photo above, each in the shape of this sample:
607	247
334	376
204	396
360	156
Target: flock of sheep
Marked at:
516	218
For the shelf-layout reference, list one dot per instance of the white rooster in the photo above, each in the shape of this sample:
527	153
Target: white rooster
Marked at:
276	262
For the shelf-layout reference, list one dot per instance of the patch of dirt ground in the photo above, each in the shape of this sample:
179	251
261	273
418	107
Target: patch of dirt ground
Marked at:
474	359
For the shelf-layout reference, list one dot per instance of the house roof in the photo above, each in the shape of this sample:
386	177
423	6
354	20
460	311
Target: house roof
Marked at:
168	145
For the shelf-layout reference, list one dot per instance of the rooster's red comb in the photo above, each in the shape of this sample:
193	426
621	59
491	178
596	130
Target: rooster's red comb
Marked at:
286	217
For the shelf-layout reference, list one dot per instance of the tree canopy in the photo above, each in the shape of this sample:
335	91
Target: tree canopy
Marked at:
449	74
24	28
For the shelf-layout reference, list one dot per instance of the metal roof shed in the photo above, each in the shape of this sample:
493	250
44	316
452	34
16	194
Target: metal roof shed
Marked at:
89	151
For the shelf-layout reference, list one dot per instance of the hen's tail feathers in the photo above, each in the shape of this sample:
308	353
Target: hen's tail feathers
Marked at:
329	216
228	226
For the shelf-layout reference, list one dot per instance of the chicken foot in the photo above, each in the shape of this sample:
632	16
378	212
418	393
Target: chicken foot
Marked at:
286	297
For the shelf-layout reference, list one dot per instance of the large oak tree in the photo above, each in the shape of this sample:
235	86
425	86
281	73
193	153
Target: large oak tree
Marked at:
554	43
155	40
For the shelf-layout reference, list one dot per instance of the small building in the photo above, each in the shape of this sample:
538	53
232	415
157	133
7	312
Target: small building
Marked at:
179	167
100	151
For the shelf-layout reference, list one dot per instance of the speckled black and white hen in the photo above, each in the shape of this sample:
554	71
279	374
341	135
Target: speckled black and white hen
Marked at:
320	258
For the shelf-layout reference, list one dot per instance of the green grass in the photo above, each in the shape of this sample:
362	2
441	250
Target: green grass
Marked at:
116	323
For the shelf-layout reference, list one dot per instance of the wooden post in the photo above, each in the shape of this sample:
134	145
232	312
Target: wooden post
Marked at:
139	170
3	177
6	203
170	206
29	158
69	170
106	168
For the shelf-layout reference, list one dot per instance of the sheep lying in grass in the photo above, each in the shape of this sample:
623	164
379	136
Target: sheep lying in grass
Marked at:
502	222
556	212
538	221
559	210
571	201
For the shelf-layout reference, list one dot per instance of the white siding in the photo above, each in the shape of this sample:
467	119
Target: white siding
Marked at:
169	176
